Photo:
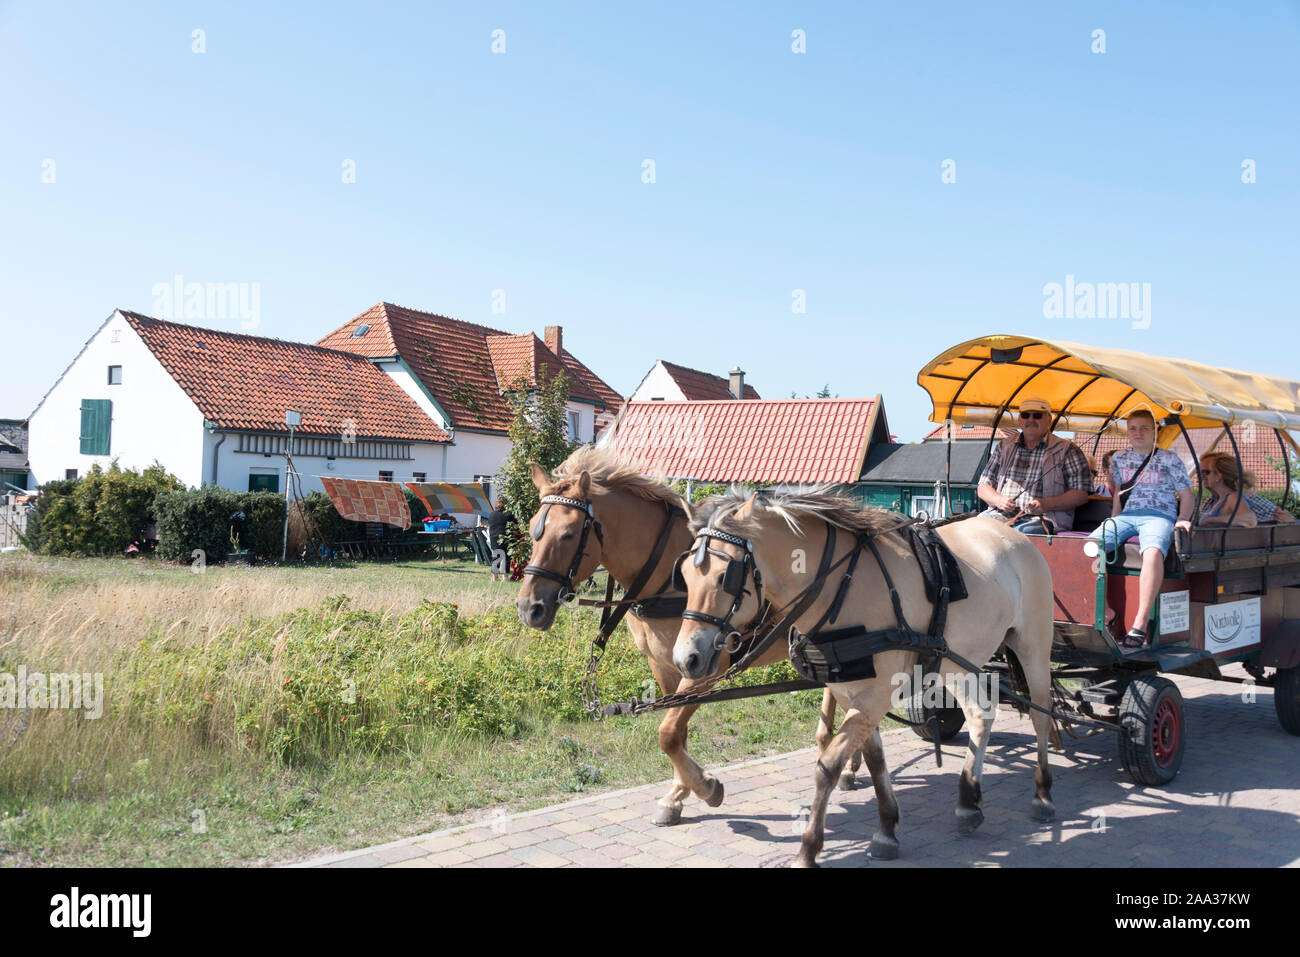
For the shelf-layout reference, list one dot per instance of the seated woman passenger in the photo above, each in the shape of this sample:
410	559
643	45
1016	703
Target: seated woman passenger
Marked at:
1227	485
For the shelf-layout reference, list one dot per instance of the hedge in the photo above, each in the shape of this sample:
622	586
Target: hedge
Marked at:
206	519
102	513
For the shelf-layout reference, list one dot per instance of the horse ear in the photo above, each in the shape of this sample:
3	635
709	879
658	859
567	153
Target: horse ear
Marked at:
686	507
584	485
747	509
540	478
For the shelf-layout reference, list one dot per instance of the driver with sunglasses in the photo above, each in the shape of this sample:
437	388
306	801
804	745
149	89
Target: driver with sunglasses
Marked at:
1035	480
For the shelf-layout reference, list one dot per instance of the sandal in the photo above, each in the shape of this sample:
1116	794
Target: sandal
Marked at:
1133	640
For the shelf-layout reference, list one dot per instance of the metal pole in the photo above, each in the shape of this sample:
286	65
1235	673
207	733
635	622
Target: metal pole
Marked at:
284	546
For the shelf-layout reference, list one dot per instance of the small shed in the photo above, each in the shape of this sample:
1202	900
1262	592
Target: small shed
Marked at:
909	478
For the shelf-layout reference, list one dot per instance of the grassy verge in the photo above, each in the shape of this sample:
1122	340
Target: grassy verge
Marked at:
240	726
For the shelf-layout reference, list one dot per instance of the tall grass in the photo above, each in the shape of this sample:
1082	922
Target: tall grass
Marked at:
221	690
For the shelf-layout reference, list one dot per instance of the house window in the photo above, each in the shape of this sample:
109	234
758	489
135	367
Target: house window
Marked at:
385	476
923	503
114	375
96	424
360	331
69	473
575	421
264	482
417	476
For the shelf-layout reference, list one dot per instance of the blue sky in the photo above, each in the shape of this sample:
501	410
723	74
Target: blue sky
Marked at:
774	172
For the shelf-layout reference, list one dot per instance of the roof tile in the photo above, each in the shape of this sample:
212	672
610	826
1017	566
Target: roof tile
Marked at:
457	364
247	382
801	441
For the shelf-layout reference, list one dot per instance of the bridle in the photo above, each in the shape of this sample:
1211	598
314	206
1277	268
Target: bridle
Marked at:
567	590
733	581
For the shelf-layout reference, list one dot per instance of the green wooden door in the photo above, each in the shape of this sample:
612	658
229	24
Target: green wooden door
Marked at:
96	426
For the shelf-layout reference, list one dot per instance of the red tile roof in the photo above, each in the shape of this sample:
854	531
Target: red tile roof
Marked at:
523	357
1255	453
964	432
803	441
454	361
247	382
703	385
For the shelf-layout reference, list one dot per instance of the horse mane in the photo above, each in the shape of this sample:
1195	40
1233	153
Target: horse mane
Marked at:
793	506
609	469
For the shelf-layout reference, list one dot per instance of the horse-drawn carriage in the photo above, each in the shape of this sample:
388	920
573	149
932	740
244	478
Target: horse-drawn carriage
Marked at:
1230	594
1038	611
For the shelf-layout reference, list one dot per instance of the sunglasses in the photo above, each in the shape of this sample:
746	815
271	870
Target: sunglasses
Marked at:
1033	415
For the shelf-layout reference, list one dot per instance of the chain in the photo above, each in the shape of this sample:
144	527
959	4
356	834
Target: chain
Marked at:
590	697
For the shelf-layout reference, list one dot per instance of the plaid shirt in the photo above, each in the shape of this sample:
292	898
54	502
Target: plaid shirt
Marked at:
1021	478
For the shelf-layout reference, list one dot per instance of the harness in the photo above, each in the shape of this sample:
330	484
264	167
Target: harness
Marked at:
567	590
656	605
828	656
733	580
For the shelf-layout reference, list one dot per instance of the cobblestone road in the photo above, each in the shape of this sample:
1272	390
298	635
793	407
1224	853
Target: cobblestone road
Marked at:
1236	803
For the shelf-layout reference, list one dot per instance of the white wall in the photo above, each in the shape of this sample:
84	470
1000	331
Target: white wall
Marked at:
474	454
658	384
153	418
411	386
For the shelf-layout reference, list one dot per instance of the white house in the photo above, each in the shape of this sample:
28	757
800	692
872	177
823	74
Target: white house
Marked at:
210	407
669	382
458	372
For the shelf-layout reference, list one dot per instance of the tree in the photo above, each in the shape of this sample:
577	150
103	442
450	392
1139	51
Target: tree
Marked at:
823	393
539	432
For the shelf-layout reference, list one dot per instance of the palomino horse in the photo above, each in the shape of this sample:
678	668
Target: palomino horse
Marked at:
780	534
631	510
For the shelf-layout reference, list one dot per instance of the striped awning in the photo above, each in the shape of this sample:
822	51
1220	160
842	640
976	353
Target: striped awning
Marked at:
466	498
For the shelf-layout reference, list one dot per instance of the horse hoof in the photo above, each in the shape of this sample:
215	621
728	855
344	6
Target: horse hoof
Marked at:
800	862
1044	810
968	819
667	816
883	848
714	797
847	781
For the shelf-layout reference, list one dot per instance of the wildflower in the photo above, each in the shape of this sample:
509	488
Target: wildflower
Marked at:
342	719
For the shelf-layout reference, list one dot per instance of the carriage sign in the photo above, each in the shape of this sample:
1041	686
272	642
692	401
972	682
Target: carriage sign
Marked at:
1230	625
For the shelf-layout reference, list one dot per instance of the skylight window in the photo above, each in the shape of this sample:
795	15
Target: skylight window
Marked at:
360	331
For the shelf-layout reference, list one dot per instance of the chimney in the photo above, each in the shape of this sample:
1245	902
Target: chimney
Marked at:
555	340
737	386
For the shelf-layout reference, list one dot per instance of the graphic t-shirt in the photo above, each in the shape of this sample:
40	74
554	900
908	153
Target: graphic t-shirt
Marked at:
1157	489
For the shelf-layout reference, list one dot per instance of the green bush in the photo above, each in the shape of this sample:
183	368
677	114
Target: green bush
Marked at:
49	500
333	526
101	513
263	527
198	519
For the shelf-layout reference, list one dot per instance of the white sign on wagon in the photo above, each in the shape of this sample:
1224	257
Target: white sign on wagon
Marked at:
1175	612
1230	625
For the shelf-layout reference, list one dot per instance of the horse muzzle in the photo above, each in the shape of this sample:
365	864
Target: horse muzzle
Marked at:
696	655
537	610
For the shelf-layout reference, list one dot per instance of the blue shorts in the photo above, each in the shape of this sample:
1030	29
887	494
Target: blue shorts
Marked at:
1153	530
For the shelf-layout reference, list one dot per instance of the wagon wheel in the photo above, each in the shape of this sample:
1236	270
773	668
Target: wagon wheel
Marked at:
1286	698
951	717
1153	730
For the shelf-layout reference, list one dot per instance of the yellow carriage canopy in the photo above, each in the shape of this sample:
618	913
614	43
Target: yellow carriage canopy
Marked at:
1089	388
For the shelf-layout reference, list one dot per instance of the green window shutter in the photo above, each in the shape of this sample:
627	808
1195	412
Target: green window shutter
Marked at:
261	482
96	426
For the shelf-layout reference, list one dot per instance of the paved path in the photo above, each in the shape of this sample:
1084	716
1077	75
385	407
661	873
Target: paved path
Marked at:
1236	803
